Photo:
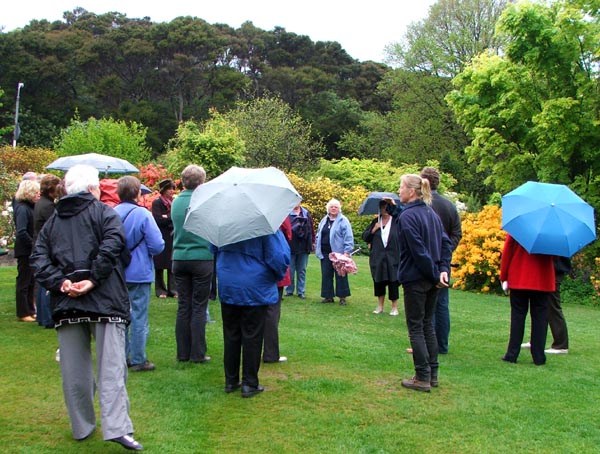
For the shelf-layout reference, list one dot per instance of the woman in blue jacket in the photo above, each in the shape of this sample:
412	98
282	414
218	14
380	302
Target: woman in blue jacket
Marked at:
247	276
334	234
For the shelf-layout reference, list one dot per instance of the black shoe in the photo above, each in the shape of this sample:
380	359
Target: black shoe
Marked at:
202	360
289	294
144	367
249	391
434	382
342	301
508	360
302	297
232	387
326	300
128	442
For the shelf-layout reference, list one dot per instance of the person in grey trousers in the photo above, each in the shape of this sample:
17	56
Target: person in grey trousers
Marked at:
79	256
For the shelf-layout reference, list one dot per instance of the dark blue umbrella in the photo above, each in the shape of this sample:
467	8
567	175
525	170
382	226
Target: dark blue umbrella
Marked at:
548	219
371	204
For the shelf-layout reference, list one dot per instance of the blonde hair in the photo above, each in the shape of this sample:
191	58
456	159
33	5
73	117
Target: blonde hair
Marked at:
420	185
27	191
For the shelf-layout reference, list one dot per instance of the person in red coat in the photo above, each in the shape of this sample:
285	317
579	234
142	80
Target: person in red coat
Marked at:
530	278
271	334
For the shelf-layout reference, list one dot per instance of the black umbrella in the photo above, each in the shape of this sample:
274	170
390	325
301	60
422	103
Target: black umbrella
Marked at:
371	204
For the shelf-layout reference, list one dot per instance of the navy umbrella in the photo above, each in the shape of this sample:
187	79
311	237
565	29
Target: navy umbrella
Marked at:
371	204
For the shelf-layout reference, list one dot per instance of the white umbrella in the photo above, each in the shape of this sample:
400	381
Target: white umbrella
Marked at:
241	204
104	163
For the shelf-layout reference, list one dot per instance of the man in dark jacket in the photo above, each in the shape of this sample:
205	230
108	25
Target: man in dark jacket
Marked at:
77	257
447	212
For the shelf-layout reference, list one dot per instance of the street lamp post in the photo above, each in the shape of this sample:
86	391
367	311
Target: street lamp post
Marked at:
17	131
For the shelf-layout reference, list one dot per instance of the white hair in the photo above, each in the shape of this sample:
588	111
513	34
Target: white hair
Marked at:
332	202
80	178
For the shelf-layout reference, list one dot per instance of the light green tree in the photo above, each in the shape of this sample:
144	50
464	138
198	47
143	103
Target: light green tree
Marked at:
275	135
532	114
104	136
215	145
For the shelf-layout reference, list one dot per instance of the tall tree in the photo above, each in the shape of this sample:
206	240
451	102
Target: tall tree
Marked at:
452	34
533	112
275	135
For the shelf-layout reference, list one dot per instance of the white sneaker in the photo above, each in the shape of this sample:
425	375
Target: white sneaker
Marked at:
557	351
394	312
282	359
526	345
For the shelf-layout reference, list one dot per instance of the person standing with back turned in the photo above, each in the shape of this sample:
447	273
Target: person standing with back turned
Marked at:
448	213
425	254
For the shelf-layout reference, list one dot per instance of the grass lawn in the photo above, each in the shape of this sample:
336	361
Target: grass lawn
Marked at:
338	393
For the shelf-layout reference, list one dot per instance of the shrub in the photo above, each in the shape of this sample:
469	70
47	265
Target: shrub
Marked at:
478	253
22	159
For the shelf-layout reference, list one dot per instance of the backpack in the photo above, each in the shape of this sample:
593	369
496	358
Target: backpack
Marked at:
301	227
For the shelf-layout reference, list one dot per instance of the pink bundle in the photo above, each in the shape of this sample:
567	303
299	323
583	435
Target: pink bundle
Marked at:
342	264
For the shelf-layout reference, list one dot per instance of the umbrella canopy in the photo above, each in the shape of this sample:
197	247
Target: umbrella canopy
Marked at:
106	164
371	204
241	204
548	219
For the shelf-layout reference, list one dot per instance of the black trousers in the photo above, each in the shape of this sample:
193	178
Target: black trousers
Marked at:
271	336
25	288
420	298
193	279
520	302
159	282
556	318
243	330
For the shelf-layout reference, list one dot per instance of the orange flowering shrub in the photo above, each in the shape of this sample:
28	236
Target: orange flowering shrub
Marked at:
478	253
152	174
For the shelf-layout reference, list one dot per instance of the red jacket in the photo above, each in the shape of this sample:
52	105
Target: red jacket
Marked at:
286	228
525	271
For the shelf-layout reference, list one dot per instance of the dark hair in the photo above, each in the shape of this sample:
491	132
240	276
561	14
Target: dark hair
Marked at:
166	184
128	188
49	184
432	175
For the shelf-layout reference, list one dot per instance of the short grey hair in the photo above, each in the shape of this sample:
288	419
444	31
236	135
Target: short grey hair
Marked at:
193	176
80	178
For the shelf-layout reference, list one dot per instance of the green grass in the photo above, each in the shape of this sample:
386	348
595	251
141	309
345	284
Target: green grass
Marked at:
338	393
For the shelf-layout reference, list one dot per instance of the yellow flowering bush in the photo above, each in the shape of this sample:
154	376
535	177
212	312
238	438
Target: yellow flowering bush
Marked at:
478	253
595	281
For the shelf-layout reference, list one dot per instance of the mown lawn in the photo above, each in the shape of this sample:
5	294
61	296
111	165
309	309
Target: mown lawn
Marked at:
338	393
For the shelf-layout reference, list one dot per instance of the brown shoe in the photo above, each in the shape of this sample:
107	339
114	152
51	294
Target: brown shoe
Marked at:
29	318
417	385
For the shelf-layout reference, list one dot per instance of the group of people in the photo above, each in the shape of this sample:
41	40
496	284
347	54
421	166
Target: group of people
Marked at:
97	264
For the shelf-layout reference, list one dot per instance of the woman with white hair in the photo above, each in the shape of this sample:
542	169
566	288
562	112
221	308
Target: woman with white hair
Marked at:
78	257
334	234
27	195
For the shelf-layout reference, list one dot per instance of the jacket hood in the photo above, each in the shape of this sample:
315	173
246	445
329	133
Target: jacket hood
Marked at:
73	204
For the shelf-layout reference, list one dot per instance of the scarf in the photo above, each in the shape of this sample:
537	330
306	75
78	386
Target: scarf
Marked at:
167	202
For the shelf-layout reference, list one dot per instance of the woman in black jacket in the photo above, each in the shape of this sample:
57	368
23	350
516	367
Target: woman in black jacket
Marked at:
25	198
382	237
161	211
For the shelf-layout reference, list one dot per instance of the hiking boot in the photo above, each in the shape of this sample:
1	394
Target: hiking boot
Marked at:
417	385
434	382
144	367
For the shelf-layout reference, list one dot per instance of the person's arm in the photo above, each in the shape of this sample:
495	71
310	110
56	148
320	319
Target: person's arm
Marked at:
112	242
22	219
370	231
152	236
455	230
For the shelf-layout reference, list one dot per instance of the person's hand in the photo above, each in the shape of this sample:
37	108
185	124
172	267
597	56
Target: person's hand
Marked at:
65	287
389	200
505	287
443	280
80	288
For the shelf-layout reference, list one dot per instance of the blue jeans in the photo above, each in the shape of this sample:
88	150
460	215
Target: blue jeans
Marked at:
298	264
138	329
419	305
441	319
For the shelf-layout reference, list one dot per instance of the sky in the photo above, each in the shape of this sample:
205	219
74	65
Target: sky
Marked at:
362	28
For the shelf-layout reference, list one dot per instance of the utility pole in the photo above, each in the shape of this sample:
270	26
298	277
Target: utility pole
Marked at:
17	131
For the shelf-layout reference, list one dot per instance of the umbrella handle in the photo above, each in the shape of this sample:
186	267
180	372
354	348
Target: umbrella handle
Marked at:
354	252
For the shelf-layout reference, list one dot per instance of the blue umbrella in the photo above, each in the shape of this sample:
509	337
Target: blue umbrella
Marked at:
548	219
371	203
